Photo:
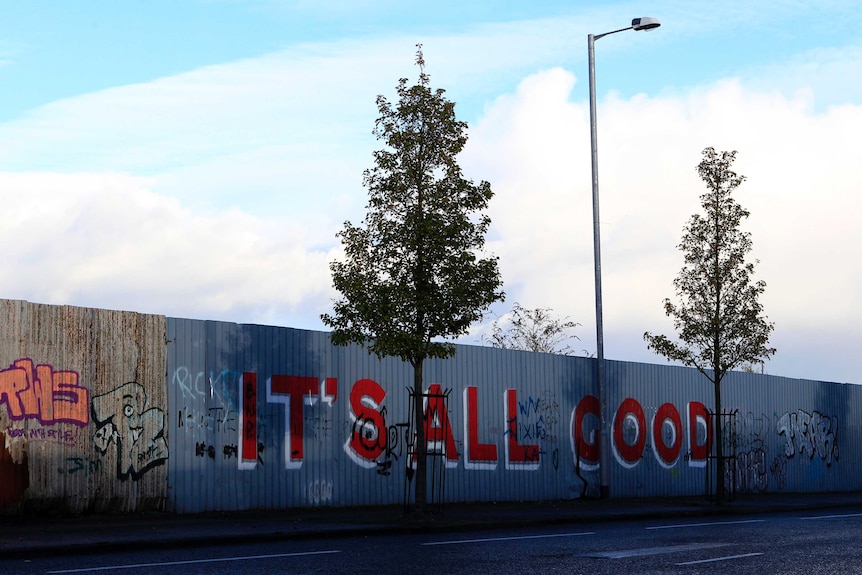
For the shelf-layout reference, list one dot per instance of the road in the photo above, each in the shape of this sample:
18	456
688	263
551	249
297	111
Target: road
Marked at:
824	543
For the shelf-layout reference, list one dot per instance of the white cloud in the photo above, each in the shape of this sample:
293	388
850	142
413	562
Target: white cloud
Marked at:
801	190
108	241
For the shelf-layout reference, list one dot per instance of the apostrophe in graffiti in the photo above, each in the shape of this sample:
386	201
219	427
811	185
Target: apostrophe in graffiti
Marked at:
123	418
38	392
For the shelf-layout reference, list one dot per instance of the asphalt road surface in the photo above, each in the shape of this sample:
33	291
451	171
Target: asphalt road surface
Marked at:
809	543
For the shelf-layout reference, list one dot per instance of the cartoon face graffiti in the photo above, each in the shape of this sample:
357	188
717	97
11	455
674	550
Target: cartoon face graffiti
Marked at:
122	418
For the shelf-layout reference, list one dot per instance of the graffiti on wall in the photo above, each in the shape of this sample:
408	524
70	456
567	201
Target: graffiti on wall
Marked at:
478	453
52	397
527	432
295	392
124	419
41	393
527	440
630	433
749	437
371	438
247	451
56	435
812	434
210	403
223	404
371	443
751	471
778	469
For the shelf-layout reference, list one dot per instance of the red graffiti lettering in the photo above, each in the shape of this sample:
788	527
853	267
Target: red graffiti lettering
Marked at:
586	443
629	420
698	416
294	391
667	419
248	421
39	392
476	455
438	431
630	433
367	440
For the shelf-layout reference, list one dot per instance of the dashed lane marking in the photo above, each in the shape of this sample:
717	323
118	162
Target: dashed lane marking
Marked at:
521	537
191	562
834	516
710	524
647	551
714	559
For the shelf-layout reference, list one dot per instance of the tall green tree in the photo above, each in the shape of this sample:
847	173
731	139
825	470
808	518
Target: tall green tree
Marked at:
538	330
719	319
414	272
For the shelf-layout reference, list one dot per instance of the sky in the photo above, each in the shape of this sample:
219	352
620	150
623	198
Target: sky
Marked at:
196	158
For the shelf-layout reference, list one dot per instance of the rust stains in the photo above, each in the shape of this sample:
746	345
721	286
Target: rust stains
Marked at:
14	477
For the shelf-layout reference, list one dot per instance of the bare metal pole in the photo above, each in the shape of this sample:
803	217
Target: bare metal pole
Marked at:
604	441
604	484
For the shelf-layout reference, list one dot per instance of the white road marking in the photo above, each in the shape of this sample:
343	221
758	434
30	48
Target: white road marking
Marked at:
491	539
192	562
646	551
728	558
710	524
834	516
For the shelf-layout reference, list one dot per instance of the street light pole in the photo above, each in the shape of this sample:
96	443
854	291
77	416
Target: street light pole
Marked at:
604	444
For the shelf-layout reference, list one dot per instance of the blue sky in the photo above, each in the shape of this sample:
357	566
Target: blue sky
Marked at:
196	159
55	49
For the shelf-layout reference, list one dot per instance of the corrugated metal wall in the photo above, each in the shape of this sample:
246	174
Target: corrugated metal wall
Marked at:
82	400
330	422
276	417
788	434
116	410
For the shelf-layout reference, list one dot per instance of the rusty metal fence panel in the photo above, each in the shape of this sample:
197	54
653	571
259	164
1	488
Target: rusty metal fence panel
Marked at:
82	409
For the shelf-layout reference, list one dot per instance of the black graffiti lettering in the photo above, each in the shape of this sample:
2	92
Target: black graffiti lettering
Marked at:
204	450
384	468
809	434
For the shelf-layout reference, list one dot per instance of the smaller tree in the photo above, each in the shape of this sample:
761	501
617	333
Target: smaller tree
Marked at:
533	330
719	319
753	367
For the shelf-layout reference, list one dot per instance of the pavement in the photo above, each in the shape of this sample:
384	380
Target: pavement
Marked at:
25	536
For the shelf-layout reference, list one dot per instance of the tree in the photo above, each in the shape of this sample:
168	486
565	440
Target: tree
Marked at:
719	320
414	272
751	367
533	330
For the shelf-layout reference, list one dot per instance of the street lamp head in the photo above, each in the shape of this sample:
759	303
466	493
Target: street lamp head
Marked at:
645	23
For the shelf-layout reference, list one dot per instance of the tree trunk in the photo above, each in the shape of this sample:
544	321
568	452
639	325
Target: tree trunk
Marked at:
717	374
719	444
421	449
